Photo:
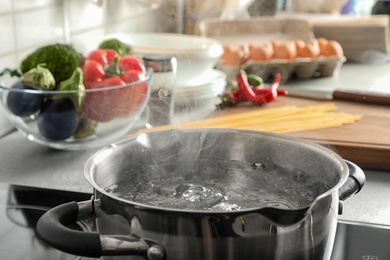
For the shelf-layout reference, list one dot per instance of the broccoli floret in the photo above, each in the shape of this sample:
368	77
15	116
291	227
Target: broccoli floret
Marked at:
114	44
39	78
60	59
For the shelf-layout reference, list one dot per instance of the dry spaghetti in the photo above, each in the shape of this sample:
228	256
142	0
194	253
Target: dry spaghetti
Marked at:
286	119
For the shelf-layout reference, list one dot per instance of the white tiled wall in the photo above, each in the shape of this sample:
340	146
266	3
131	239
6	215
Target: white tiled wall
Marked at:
28	24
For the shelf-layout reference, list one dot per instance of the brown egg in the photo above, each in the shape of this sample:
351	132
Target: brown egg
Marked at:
261	52
286	51
315	44
299	44
275	44
232	55
310	50
332	49
228	48
322	42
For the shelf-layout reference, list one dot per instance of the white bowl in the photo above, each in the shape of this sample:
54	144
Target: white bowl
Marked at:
195	55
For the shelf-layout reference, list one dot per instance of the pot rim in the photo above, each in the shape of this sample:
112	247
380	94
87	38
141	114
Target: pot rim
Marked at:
103	152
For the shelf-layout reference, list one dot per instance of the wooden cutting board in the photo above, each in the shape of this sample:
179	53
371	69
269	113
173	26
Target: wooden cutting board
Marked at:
366	142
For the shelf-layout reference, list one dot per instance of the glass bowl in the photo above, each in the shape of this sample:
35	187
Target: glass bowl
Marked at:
50	118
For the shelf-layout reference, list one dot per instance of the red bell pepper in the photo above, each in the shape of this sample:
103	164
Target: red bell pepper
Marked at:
104	68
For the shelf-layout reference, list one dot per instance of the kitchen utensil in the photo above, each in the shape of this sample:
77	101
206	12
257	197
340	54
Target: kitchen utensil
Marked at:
286	227
341	94
160	105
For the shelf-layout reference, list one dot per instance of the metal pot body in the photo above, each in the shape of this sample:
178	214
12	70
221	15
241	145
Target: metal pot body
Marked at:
258	233
237	236
309	180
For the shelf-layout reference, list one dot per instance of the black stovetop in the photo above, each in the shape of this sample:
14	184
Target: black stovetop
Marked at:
21	207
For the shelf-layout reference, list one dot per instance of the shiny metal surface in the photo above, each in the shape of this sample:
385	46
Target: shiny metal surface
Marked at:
85	209
311	93
116	244
123	245
258	233
354	240
160	106
248	235
161	63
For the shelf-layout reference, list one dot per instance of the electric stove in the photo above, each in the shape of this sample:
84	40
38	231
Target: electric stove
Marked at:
21	207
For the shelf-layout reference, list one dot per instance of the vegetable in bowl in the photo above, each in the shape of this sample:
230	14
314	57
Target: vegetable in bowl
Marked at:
82	111
103	68
60	59
120	47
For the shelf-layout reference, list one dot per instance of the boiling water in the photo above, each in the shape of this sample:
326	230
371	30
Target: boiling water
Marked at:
219	185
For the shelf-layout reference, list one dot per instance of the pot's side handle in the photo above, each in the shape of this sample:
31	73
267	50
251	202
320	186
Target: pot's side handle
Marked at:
354	183
52	227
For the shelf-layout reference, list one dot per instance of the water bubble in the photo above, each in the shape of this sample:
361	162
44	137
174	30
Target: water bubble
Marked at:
221	186
258	166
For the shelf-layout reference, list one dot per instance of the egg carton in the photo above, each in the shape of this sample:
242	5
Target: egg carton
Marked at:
300	68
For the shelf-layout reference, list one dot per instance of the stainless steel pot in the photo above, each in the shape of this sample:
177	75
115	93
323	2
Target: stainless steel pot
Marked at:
291	228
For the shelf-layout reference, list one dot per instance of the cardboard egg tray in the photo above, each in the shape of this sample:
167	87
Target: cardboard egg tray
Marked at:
300	68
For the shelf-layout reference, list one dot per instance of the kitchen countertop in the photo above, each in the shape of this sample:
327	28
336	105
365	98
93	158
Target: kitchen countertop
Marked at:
27	163
24	162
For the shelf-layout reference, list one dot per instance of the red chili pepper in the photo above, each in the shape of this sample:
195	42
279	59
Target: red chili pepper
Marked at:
236	96
266	96
274	88
233	97
260	91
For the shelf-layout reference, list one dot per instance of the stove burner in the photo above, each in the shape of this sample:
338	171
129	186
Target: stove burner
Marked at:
361	241
20	209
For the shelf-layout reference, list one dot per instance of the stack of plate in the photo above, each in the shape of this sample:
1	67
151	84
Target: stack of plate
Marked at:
208	86
197	98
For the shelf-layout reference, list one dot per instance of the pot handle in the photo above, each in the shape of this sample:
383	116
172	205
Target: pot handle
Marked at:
354	183
53	228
